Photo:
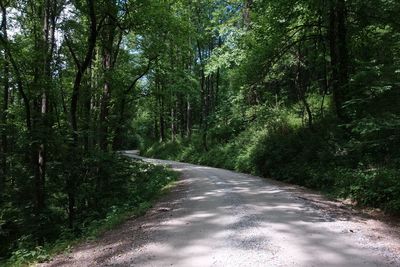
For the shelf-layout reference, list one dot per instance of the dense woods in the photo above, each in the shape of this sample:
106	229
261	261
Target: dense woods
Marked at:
301	91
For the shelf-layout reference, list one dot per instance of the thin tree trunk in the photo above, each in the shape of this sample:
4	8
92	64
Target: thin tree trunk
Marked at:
81	68
87	111
108	35
104	113
119	134
4	141
41	126
218	77
217	87
188	118
173	119
339	54
301	90
246	13
155	125
160	102
204	96
342	49
182	116
162	120
325	85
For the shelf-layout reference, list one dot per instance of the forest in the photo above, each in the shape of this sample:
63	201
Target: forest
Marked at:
302	91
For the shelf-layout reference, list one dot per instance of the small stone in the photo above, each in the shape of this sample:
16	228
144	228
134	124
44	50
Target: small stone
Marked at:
164	209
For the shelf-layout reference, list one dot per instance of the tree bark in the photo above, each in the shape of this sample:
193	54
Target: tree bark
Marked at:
155	121
246	13
161	115
87	110
4	115
339	54
40	123
81	69
108	37
173	119
182	115
188	118
301	87
203	96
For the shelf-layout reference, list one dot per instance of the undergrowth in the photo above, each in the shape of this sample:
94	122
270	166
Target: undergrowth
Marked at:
133	186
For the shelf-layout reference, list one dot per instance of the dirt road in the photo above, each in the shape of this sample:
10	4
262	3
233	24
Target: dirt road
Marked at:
216	217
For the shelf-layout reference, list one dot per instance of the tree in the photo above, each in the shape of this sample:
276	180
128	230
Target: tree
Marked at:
6	88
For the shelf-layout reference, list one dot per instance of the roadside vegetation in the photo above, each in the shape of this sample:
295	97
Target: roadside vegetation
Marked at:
125	189
327	159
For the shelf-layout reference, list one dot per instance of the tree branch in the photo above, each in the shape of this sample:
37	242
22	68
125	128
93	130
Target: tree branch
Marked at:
140	75
71	50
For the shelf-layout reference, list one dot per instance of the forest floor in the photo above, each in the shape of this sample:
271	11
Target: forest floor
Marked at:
216	217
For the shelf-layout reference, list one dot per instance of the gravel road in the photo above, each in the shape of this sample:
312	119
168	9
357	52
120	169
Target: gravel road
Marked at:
216	217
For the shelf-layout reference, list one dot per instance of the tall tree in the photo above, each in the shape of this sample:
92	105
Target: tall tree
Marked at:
338	53
6	88
81	67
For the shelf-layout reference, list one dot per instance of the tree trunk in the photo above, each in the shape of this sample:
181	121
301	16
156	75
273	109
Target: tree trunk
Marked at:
87	136
173	120
339	54
104	113
182	115
325	84
108	36
162	121
155	125
4	141
188	118
81	69
301	87
119	134
217	87
41	124
342	48
204	96
246	13
161	118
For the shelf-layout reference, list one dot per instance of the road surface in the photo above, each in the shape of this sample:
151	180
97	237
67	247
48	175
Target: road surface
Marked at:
216	217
